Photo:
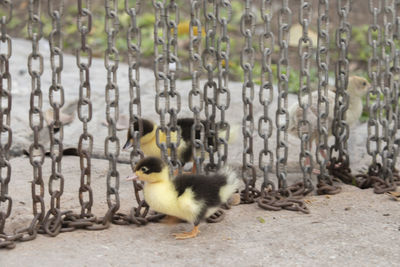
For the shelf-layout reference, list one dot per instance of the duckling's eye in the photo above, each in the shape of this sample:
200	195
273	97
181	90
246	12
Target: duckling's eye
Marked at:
144	169
364	83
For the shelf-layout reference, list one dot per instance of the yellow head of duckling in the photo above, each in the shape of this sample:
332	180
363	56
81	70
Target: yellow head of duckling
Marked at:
358	86
148	133
151	170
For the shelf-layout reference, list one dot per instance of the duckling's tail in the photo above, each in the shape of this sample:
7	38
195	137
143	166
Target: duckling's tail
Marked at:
232	183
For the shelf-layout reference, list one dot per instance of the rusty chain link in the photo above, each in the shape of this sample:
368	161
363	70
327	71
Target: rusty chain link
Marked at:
382	101
340	161
387	118
5	128
138	215
284	197
52	222
325	184
86	218
85	106
196	101
304	95
247	61
266	94
111	143
161	70
210	63
223	97
282	114
174	97
396	79
36	149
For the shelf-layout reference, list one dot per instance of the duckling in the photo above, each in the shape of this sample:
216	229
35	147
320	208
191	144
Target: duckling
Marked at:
189	197
148	140
357	88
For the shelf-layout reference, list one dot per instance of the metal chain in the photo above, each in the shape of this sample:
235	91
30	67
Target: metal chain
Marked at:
325	184
270	197
5	129
339	161
134	43
85	144
387	118
210	63
223	97
52	221
396	78
112	144
304	95
160	72
173	67
284	197
138	214
36	149
384	73
247	58
282	114
196	101
373	96
266	94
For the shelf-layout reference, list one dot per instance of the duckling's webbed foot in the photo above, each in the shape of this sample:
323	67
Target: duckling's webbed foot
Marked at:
186	235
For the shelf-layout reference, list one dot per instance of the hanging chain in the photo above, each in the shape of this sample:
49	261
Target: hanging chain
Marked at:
266	93
85	143
210	63
196	102
387	118
160	73
172	67
282	114
5	129
247	29
36	149
340	164
135	108
223	98
396	93
373	96
325	184
52	221
304	95
138	215
284	197
111	144
382	101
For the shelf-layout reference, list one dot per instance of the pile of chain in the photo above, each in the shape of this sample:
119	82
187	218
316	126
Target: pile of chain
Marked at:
382	99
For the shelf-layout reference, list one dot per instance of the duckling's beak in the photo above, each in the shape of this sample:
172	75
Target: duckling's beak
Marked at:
133	177
127	145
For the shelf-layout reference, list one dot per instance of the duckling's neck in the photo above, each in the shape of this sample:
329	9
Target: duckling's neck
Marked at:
355	109
161	196
149	146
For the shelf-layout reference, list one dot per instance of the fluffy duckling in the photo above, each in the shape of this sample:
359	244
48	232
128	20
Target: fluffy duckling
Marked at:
357	88
148	140
189	197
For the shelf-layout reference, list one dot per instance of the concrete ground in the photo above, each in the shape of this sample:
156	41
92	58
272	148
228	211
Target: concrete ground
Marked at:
353	228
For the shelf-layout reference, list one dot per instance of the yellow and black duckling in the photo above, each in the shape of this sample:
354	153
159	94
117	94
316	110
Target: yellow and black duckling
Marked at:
189	197
148	142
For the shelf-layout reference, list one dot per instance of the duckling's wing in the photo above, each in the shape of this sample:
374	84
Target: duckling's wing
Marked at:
204	188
